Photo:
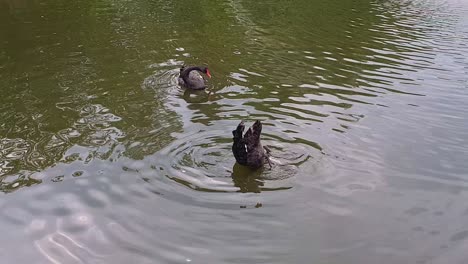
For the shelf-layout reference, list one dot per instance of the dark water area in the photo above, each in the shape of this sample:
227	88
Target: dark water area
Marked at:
105	159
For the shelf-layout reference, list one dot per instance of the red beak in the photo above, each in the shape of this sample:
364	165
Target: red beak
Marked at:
208	73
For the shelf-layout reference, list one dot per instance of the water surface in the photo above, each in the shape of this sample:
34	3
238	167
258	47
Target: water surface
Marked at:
104	159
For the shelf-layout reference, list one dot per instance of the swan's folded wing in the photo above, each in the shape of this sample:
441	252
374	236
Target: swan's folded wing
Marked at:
238	147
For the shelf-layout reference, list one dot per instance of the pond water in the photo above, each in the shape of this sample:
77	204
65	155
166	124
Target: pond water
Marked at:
105	159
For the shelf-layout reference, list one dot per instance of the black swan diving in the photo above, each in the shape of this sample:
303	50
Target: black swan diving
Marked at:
191	78
247	148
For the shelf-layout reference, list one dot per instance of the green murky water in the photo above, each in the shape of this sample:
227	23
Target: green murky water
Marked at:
104	159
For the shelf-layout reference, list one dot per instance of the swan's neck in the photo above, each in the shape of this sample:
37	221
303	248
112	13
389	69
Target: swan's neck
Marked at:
185	73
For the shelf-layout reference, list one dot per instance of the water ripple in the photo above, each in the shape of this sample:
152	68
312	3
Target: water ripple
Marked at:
203	161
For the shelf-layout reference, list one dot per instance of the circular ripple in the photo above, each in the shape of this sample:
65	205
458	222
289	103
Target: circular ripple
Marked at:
164	76
203	161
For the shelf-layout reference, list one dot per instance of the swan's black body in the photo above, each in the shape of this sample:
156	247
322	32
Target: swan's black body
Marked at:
247	148
191	78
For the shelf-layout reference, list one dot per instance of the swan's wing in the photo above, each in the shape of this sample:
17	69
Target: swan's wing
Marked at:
238	147
195	80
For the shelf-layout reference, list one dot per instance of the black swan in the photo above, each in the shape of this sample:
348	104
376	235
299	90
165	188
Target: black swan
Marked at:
247	148
191	78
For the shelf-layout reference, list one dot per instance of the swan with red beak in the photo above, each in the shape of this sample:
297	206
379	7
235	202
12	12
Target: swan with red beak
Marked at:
191	78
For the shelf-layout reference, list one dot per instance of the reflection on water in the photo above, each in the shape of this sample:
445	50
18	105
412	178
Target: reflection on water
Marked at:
104	158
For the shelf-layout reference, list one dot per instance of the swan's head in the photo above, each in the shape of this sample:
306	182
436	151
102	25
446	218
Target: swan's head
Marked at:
206	71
